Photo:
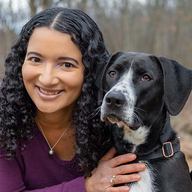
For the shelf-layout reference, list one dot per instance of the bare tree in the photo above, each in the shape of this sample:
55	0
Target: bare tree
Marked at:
33	7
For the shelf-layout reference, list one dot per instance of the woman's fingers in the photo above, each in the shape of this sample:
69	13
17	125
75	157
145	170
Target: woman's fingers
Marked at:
121	159
117	189
122	179
129	168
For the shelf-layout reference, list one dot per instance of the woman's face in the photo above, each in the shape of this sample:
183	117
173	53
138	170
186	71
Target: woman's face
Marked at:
53	71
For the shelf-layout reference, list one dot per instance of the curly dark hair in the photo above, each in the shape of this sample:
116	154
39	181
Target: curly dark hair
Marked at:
17	110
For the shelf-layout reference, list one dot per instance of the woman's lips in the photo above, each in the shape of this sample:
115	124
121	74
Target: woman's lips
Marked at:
48	94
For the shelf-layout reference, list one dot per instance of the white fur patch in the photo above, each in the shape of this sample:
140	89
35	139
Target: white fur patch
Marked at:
146	182
135	137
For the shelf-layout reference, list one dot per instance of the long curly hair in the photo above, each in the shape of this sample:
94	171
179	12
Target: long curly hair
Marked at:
17	110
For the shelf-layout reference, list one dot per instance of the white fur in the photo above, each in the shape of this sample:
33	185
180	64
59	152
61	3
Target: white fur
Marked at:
130	94
146	182
135	137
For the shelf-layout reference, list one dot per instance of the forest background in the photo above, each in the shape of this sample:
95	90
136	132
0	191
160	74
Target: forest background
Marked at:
160	27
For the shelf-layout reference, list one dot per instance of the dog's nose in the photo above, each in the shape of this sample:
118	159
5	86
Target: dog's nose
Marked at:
115	99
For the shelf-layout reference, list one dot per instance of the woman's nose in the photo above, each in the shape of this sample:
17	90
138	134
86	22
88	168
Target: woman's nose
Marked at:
48	75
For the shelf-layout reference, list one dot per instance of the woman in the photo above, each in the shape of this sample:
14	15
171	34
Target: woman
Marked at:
46	99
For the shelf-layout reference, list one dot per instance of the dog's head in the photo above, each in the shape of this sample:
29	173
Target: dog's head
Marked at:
136	87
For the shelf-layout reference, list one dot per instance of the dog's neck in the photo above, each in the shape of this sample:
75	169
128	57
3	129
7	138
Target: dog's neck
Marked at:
160	132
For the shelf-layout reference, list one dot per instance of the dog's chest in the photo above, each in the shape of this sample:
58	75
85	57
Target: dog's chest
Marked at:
146	183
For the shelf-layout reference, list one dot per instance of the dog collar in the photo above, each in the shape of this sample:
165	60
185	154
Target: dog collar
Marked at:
167	150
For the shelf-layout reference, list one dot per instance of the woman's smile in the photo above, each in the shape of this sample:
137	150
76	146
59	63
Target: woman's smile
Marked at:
48	94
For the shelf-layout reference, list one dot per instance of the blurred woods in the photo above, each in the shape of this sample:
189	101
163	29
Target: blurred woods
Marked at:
161	27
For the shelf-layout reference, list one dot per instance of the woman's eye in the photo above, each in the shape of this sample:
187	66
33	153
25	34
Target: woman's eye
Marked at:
35	59
146	78
67	65
112	74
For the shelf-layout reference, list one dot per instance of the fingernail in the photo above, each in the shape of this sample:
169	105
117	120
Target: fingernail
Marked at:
142	166
131	155
136	177
126	189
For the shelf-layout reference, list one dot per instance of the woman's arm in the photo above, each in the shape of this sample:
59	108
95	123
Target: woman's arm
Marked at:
11	179
76	185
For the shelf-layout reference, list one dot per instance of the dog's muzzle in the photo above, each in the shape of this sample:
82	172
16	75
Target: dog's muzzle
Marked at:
112	106
113	110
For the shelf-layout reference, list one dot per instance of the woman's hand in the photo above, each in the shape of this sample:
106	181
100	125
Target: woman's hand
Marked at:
102	179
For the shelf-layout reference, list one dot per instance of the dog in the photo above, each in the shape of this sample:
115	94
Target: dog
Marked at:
139	92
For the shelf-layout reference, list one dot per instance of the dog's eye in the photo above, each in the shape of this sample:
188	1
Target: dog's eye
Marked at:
112	74
146	78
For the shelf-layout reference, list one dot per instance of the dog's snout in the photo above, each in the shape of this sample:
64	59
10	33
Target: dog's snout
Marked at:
115	99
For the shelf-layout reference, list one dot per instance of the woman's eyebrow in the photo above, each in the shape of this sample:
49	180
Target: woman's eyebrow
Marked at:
68	58
34	53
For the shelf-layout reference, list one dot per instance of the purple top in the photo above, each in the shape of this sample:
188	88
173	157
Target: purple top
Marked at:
36	170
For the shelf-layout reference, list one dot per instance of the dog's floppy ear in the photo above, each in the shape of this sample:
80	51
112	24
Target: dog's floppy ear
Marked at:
177	84
103	74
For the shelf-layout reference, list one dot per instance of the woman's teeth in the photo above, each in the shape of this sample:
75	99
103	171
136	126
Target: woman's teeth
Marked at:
48	92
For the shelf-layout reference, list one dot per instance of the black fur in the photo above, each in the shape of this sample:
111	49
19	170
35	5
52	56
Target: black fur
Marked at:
165	93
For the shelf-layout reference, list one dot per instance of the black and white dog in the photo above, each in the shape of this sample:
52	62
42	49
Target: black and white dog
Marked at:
139	91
